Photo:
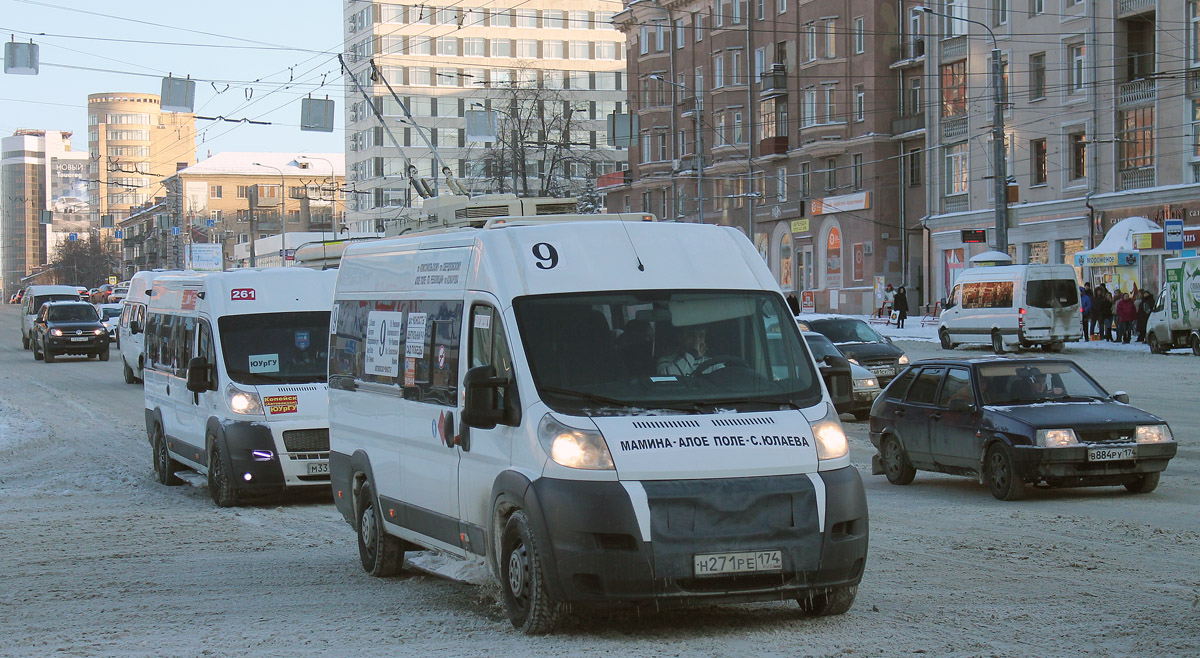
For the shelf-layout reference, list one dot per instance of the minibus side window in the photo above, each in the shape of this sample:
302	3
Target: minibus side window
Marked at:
184	336
489	346
151	340
166	348
204	349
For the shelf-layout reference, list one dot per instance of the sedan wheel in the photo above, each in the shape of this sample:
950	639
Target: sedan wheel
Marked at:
1001	476
1144	483
896	466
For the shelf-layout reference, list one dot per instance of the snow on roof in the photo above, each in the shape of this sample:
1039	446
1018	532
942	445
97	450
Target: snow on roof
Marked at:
258	164
1120	237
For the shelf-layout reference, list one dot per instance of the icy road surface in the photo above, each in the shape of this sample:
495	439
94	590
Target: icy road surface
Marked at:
96	559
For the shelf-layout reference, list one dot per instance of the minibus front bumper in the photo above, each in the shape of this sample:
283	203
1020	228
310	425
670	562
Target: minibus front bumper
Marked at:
598	554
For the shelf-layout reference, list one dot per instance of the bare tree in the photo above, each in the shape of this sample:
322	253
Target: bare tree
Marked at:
87	262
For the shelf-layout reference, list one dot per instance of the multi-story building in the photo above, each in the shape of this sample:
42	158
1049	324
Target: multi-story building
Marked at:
550	70
40	173
235	198
1102	118
782	118
133	145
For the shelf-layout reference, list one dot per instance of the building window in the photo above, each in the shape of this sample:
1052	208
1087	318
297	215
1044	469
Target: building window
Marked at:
718	71
781	6
554	19
999	12
1135	139
680	35
956	170
698	25
760	9
860	103
721	130
647	154
501	18
644	40
473	47
808	110
856	170
781	184
860	36
1194	29
1037	7
810	42
954	89
805	180
735	67
1037	76
760	63
830	39
214	191
1077	61
527	18
913	162
954	24
580	50
830	174
501	47
830	106
447	46
662	146
1077	149
580	20
1037	162
555	50
660	38
915	99
738	136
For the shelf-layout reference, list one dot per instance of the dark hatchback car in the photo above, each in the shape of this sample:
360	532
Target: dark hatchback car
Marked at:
69	328
861	344
1011	422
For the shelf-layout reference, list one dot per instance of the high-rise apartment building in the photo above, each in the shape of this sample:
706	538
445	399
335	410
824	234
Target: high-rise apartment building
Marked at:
551	71
779	117
1102	118
133	145
40	173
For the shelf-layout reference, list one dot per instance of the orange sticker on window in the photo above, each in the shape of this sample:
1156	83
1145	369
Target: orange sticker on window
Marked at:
280	404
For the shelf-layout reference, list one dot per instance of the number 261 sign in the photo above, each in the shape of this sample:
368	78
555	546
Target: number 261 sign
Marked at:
242	294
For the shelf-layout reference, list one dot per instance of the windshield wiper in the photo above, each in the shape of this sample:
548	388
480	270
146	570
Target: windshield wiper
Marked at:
730	401
600	399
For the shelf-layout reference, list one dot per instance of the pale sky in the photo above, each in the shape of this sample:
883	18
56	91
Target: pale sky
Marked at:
267	55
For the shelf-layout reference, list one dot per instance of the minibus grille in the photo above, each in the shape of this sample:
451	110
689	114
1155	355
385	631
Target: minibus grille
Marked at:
315	440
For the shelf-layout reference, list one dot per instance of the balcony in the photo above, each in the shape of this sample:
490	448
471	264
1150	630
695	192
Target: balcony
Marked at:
954	127
1133	179
773	145
613	179
1135	92
954	48
908	124
687	163
909	53
774	83
689	105
957	203
1131	7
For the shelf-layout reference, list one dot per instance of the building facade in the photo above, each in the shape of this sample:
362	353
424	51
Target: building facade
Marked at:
550	72
236	198
1102	119
782	118
40	173
133	145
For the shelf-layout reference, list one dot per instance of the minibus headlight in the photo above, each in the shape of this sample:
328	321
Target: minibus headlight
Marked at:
1154	434
1056	438
831	439
573	447
242	402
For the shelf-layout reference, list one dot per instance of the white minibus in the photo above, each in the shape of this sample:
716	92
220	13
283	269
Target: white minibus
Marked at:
1013	306
610	412
235	370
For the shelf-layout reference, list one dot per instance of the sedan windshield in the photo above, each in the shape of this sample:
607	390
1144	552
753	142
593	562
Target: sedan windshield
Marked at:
846	331
270	348
665	350
1036	382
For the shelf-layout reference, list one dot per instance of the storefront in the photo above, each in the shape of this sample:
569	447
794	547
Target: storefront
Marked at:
1115	262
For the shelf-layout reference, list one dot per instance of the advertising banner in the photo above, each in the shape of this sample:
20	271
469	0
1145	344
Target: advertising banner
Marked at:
68	195
205	257
833	259
833	204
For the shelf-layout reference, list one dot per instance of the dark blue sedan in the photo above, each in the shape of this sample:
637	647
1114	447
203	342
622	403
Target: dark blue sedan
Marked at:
1012	422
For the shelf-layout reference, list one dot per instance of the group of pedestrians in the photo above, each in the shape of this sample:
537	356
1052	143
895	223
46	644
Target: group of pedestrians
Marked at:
1114	316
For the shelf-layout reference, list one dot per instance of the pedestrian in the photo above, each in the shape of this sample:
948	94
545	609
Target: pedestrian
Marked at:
1144	311
793	303
1101	309
1126	314
1085	309
900	303
889	299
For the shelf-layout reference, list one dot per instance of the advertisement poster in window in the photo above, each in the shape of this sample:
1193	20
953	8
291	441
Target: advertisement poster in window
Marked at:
860	257
953	261
786	280
833	259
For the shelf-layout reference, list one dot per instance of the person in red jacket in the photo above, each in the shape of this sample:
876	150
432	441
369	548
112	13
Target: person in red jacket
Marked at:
1126	312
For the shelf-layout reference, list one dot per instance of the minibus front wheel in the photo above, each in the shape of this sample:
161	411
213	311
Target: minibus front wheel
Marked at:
523	579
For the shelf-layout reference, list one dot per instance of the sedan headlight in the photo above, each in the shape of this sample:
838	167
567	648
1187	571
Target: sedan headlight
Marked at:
865	383
1056	438
831	439
903	360
56	332
246	403
1154	434
573	447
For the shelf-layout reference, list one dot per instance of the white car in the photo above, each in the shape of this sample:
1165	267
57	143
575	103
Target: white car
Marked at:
110	315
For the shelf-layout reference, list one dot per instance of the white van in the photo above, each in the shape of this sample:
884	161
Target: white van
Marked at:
32	302
130	338
596	408
235	370
1011	307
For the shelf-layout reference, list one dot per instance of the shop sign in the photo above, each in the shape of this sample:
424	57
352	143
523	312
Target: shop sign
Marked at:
1157	240
1119	259
800	226
834	204
859	258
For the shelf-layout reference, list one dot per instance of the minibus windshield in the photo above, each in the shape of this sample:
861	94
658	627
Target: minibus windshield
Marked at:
275	348
687	351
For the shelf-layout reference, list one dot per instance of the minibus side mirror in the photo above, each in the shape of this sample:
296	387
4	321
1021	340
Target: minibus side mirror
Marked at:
197	375
135	327
480	407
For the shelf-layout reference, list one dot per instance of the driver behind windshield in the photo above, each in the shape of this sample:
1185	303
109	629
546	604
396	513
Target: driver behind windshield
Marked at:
689	354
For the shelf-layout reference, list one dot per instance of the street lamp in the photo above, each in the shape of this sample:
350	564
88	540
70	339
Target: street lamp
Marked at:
282	208
332	186
699	142
999	160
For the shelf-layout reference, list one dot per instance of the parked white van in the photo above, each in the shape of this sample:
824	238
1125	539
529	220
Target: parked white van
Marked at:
597	408
235	370
130	338
31	303
1013	306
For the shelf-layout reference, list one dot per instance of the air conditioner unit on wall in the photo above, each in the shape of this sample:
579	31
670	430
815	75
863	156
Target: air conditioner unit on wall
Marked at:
675	165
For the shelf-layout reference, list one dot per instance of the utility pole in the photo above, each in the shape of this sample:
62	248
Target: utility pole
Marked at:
253	221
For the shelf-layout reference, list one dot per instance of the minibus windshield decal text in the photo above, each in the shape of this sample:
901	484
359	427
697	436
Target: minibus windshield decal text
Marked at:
663	443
